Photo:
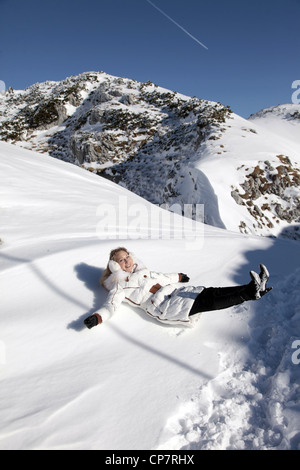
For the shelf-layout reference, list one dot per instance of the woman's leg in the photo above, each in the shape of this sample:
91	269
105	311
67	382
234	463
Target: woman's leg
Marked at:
218	298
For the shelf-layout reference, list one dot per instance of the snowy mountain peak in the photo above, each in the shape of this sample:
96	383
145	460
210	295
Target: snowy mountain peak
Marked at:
286	111
167	147
95	118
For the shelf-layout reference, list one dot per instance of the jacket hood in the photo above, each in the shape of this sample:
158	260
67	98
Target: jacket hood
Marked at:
119	275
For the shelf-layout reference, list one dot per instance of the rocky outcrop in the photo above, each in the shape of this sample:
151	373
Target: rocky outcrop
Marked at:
270	193
102	118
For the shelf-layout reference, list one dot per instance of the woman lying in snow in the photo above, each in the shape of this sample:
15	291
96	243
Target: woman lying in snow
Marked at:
158	294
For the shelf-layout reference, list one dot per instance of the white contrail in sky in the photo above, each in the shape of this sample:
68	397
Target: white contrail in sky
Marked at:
173	21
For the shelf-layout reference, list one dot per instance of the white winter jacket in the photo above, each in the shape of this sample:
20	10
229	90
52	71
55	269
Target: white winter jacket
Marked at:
171	302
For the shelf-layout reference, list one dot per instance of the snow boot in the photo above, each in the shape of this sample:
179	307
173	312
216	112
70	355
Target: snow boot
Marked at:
260	281
264	277
255	286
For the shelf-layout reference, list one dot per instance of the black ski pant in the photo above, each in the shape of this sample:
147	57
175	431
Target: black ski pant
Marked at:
218	298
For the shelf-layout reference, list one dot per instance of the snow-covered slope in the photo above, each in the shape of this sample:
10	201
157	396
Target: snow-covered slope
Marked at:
230	382
254	168
282	120
247	177
168	148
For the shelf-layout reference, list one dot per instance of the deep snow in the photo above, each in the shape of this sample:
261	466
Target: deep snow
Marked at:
230	382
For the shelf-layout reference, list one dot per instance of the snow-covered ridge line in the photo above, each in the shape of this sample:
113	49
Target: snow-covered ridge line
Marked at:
167	147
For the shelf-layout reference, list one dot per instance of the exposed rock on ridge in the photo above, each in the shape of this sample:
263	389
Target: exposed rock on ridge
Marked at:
167	147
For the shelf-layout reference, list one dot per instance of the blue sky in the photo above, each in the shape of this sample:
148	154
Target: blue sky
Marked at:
251	60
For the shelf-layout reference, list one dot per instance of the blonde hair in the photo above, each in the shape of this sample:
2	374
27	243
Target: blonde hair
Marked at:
107	272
